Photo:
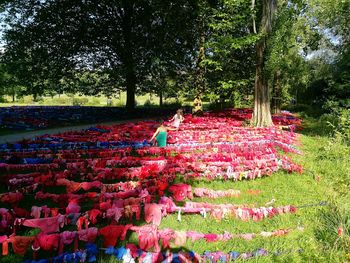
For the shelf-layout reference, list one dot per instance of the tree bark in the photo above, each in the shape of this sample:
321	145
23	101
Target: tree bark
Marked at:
160	98
253	16
130	90
262	112
13	94
127	58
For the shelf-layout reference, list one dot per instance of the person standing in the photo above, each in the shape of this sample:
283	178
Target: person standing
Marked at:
177	119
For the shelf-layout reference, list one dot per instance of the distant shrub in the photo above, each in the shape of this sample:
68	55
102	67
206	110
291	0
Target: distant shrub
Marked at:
39	99
337	123
148	104
25	100
175	105
343	127
217	106
61	101
327	123
80	101
95	101
118	103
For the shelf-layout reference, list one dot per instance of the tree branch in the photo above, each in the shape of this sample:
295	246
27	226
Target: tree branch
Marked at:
253	16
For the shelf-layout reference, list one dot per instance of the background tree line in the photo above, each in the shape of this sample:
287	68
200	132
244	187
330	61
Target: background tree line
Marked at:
226	51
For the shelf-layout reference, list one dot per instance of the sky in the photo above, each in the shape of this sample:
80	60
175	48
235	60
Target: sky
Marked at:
325	52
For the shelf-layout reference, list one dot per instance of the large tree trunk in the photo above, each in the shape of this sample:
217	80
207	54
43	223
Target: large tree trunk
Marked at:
13	94
253	16
262	113
130	89
160	98
128	59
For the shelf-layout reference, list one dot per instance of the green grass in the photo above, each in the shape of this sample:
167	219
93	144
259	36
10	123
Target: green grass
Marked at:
326	178
145	100
286	189
69	100
323	159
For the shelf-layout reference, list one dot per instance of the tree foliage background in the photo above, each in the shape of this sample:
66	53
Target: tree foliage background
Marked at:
174	48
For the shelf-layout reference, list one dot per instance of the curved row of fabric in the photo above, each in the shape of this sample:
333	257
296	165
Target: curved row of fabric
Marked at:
72	193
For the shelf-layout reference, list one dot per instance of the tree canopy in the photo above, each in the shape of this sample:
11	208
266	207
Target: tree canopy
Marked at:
121	39
216	48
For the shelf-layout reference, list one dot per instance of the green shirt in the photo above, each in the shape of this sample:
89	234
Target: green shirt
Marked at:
161	139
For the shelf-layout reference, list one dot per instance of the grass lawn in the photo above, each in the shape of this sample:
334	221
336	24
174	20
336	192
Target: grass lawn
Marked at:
69	100
326	177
